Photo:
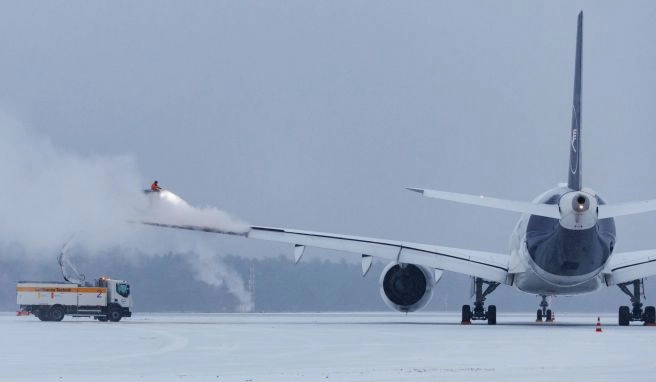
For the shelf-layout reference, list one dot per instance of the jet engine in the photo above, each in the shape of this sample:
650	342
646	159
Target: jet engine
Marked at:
406	287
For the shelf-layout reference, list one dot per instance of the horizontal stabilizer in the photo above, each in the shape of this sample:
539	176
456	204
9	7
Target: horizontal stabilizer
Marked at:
546	210
629	208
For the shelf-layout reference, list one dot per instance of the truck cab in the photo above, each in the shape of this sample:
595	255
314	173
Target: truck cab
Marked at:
119	299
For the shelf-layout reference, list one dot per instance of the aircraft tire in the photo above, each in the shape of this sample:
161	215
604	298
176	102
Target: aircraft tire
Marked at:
650	315
466	314
624	316
492	315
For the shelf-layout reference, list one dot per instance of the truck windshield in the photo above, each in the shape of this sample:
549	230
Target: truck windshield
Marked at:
123	289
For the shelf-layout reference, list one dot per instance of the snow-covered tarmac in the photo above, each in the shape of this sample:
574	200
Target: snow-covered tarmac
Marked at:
323	347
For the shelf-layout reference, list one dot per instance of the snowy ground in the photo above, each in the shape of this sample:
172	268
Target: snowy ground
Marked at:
323	347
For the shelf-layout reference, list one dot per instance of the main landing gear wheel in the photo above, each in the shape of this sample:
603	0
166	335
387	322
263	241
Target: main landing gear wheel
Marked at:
626	315
650	315
479	312
466	314
492	315
544	312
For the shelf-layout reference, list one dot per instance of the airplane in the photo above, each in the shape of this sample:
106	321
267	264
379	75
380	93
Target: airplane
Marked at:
563	244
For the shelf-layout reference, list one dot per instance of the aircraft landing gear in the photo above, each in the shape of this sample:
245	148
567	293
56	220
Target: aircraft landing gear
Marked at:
544	312
626	315
479	312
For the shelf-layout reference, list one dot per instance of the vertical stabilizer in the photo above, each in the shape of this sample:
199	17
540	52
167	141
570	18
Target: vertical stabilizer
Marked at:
574	180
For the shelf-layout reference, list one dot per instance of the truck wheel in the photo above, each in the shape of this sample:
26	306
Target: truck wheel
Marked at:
42	314
56	313
114	315
102	318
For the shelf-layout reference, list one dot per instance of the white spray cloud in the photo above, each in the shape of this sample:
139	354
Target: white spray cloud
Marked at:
168	208
48	194
211	270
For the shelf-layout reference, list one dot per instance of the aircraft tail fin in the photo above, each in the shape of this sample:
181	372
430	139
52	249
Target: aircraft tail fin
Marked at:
574	179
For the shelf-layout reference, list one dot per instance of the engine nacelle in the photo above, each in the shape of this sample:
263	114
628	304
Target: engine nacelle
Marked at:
406	287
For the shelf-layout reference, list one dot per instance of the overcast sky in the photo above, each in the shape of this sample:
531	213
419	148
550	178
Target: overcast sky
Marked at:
317	114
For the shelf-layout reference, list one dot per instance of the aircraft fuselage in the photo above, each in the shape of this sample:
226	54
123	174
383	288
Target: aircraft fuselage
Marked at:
562	256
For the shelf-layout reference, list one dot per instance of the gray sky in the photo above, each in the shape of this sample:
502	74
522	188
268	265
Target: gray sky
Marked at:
316	115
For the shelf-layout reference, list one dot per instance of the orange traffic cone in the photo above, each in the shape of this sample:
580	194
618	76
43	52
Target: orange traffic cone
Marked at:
598	327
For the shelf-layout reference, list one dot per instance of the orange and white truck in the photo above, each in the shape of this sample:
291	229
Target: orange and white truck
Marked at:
104	300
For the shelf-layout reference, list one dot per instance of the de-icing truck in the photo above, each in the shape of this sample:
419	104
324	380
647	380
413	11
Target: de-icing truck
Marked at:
105	300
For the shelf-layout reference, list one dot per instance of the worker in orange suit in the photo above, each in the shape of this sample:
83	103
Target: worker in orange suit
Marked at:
155	187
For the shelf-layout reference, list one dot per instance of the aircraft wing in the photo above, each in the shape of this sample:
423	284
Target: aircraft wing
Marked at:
629	266
486	265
